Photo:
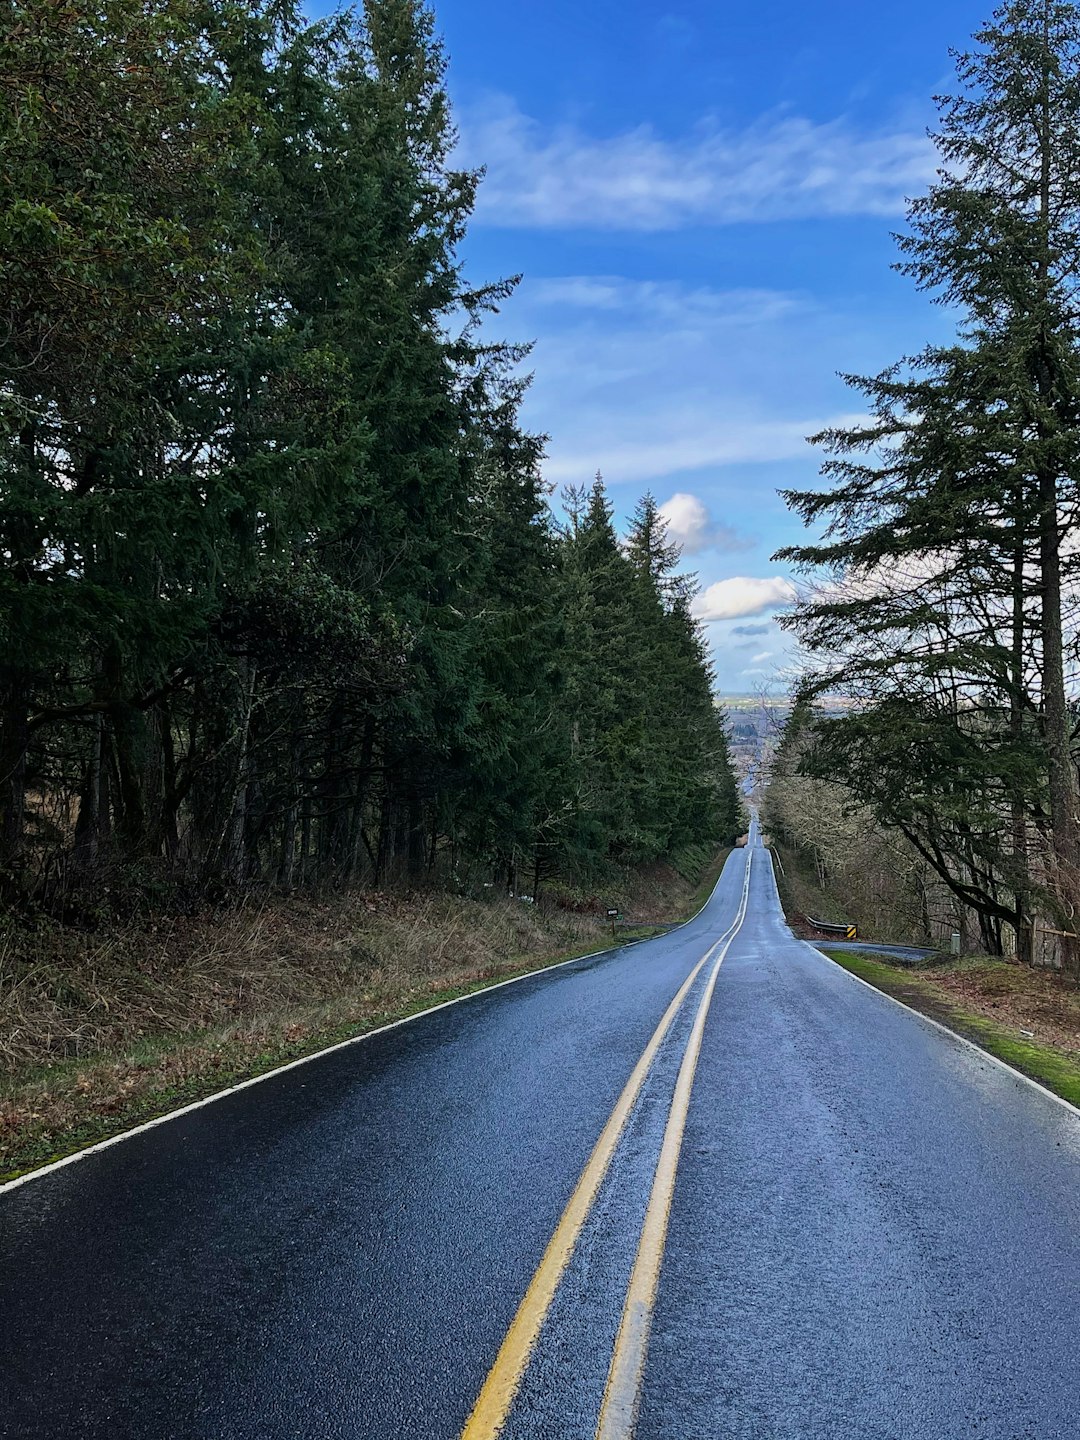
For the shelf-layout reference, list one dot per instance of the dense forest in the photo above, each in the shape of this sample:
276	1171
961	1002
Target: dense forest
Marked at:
283	600
945	598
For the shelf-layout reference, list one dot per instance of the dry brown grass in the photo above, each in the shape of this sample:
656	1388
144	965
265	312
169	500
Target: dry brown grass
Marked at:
64	995
100	1030
1041	1004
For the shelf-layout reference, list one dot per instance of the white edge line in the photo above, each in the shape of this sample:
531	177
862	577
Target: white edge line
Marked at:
98	1145
945	1030
952	1034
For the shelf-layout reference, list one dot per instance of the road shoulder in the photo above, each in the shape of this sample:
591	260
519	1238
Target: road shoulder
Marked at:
1054	1066
69	1107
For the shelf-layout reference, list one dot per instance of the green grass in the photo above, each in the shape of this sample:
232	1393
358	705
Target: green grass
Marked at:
1058	1070
874	971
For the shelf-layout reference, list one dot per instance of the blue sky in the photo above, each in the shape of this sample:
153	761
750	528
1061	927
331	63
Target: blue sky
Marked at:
701	199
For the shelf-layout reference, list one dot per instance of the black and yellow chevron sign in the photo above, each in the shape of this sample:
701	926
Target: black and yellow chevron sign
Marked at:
852	932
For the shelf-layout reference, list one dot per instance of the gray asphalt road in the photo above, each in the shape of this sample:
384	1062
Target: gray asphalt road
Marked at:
874	1232
910	954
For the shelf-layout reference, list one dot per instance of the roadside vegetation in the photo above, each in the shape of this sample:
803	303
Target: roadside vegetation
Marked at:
1026	1015
859	887
1022	1016
835	862
312	708
942	602
282	602
97	1035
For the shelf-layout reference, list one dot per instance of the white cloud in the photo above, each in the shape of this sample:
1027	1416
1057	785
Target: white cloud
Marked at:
780	167
764	655
663	300
692	527
744	595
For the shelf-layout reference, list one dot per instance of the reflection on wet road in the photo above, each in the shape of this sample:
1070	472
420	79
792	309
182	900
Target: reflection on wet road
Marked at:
707	1186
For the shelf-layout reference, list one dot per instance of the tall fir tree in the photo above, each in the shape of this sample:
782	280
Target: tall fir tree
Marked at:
969	482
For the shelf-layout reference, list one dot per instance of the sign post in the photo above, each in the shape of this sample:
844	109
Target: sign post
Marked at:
613	915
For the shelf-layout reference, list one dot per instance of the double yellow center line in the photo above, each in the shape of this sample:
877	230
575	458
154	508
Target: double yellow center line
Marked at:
621	1395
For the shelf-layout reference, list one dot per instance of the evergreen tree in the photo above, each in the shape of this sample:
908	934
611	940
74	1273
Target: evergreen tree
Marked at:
118	266
648	743
949	509
283	600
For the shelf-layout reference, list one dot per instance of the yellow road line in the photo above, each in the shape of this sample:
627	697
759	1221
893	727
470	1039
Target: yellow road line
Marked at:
495	1399
618	1413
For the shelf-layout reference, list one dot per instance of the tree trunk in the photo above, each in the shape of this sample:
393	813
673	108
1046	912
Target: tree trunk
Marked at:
235	860
358	841
170	799
1057	729
92	820
416	838
1056	724
14	742
386	821
1018	802
287	865
127	728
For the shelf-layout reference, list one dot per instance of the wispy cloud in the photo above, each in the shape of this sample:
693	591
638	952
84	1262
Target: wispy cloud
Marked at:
781	167
682	439
744	595
664	300
647	379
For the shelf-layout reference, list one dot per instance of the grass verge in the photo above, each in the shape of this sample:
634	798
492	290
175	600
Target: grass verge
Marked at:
99	1034
985	983
134	1087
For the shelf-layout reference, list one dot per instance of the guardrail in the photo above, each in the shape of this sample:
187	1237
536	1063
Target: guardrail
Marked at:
849	932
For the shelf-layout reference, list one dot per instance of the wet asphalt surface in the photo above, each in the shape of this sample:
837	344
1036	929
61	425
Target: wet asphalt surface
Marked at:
875	1231
912	954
